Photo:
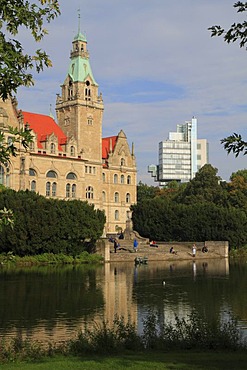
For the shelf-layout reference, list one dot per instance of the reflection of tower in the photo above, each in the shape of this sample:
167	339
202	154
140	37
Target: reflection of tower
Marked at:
118	294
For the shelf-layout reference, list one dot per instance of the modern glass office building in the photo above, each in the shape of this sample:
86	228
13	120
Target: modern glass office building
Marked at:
181	155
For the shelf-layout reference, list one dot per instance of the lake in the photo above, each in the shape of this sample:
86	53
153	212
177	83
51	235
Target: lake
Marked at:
51	303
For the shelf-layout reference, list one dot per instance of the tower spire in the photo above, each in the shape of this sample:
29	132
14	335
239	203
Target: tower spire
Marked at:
79	20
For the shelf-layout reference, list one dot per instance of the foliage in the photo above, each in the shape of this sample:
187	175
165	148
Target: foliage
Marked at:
237	32
15	64
195	332
49	225
9	148
235	144
203	209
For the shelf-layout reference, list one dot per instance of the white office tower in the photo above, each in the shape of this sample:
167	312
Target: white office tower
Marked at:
181	155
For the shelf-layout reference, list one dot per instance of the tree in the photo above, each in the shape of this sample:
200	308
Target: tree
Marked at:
15	64
8	148
237	32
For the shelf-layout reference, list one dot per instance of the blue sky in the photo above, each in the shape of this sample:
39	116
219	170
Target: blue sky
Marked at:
157	66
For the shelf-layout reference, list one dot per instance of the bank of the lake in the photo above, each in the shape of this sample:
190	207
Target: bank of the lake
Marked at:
186	360
10	259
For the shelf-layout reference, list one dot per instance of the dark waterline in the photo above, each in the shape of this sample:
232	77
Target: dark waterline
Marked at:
53	303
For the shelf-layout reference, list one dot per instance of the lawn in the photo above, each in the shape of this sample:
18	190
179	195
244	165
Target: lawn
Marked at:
184	360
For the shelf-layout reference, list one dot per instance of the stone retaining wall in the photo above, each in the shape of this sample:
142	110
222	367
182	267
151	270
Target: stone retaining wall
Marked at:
216	249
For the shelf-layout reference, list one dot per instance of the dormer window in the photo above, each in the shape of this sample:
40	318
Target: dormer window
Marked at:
72	151
53	148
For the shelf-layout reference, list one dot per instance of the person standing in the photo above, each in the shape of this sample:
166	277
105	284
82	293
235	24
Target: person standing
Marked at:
194	250
115	245
135	245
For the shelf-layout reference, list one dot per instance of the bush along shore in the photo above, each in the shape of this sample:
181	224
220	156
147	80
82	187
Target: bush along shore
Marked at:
191	334
9	259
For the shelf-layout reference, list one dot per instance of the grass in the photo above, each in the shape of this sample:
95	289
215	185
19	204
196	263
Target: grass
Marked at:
181	360
7	259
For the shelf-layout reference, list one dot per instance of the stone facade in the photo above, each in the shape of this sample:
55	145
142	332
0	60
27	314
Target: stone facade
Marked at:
70	159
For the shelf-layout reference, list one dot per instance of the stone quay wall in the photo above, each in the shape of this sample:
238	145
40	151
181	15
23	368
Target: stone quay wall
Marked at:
216	249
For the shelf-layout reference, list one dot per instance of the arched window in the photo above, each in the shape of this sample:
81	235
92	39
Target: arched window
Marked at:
128	180
116	197
48	189
53	148
54	189
122	162
103	196
33	185
51	174
71	176
70	90
73	193
4	175
72	151
116	215
1	175
87	91
89	192
122	179
115	179
103	177
128	198
32	172
67	190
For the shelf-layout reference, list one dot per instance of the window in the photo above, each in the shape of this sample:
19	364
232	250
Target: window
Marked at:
71	176
33	185
51	174
73	191
115	179
48	189
32	172
122	179
72	151
53	148
199	157
122	162
103	196
89	192
199	146
70	90
103	177
116	197
54	189
116	215
89	121
128	198
128	180
87	91
1	175
67	190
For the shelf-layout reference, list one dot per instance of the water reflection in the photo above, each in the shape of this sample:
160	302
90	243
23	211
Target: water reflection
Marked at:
53	303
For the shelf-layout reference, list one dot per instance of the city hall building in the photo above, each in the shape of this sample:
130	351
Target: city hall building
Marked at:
69	159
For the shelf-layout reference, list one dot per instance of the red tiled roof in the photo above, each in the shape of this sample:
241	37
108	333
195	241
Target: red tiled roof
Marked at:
44	126
107	144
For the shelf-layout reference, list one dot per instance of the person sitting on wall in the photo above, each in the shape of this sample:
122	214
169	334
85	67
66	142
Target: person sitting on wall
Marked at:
121	236
204	249
172	251
153	244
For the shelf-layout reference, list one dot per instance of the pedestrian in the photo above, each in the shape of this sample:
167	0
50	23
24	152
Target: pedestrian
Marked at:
194	250
135	245
115	245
